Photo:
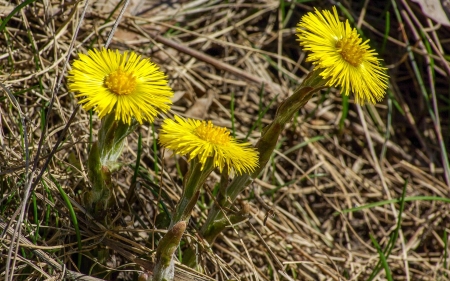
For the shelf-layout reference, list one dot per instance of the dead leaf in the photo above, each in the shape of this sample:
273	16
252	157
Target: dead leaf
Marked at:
177	95
200	107
6	10
438	10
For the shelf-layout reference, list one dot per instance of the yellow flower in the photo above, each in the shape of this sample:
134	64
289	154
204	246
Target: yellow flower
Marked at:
202	139
108	80
341	56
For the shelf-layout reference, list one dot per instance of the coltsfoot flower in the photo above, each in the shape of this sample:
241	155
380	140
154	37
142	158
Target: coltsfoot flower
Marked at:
202	139
339	53
108	80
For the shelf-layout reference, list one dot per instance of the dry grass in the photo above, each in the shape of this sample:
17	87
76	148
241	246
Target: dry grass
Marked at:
214	53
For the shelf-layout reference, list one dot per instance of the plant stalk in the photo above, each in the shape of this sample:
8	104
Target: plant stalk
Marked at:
214	223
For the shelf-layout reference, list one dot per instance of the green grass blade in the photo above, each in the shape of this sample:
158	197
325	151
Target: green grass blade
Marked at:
387	134
13	12
155	151
261	113
73	217
385	202
344	113
36	218
386	32
138	159
303	144
382	258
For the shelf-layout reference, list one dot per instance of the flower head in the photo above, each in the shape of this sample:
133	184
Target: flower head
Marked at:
341	56
202	139
108	80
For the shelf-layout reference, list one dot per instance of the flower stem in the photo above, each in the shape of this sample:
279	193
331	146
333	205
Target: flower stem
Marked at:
193	181
165	267
102	160
214	223
97	198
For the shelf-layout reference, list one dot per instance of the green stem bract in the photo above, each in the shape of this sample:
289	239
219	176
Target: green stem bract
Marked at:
97	176
97	198
111	139
193	181
165	268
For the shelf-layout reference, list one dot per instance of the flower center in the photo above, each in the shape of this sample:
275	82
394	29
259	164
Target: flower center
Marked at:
212	134
351	50
121	82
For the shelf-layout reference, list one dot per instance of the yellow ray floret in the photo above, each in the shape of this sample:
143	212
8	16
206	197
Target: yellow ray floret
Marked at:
202	139
341	56
107	80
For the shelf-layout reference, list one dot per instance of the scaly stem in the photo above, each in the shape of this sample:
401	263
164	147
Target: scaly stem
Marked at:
165	268
102	160
193	181
266	144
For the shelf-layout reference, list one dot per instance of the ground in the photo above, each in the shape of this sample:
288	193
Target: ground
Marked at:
351	193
